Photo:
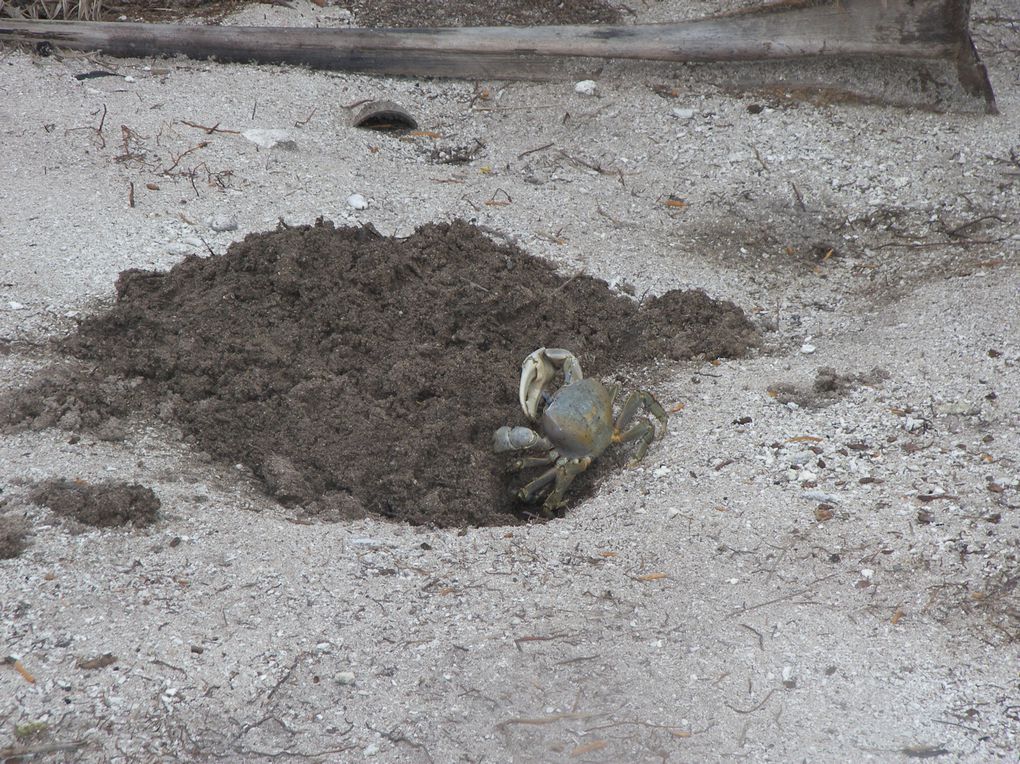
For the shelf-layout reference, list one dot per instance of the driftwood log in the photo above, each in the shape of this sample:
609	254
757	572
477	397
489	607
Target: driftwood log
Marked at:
924	29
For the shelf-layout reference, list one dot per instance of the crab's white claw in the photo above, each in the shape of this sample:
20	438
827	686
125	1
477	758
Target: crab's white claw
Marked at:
538	370
536	373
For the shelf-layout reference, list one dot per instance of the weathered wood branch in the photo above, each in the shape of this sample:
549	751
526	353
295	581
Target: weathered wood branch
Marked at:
934	29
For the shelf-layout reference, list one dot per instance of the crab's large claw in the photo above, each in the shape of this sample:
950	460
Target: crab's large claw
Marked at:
538	370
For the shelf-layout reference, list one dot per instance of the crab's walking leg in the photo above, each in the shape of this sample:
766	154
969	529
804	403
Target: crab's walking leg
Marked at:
565	473
630	408
642	431
527	462
532	489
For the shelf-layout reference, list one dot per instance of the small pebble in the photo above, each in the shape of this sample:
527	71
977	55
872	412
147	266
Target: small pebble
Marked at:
661	471
684	113
807	348
345	677
15	305
586	87
357	202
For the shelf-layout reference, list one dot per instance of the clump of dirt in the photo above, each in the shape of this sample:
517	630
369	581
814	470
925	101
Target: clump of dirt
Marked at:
358	374
104	505
71	396
13	536
827	387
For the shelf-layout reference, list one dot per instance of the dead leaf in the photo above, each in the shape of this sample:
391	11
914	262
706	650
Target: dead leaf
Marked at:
594	745
100	661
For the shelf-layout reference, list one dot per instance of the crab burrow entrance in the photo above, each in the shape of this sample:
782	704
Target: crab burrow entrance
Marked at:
359	374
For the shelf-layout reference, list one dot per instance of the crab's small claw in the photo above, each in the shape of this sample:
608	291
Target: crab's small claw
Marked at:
538	370
517	439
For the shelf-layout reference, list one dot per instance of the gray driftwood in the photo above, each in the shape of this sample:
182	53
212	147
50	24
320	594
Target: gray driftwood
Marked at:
934	29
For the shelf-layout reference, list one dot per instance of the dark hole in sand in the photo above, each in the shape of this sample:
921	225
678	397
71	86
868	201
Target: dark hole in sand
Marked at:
355	373
384	116
104	505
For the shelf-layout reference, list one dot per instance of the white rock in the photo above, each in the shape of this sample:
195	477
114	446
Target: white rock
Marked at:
270	138
357	202
586	87
661	471
684	113
221	223
15	305
807	348
345	677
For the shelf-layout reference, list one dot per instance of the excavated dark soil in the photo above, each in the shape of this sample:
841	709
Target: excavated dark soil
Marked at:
355	373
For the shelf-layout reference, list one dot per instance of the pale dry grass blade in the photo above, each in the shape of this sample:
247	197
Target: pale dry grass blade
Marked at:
82	10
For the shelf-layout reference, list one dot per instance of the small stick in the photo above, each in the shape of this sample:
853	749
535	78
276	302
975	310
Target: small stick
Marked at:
533	151
6	754
210	130
551	719
755	707
306	120
800	199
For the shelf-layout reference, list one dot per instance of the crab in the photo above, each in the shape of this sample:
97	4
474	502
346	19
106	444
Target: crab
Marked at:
576	424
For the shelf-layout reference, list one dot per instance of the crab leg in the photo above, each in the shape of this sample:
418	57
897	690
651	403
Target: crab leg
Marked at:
644	433
527	462
532	489
630	408
565	474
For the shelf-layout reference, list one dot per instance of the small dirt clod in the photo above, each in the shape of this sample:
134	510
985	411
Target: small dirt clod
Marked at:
104	505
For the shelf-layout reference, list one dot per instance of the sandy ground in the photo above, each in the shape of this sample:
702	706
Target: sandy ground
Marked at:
794	576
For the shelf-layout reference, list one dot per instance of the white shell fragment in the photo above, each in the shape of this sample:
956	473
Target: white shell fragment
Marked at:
270	138
221	223
357	202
